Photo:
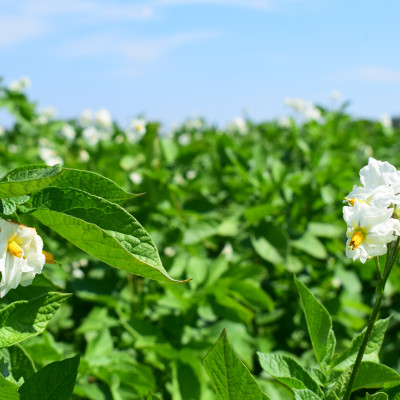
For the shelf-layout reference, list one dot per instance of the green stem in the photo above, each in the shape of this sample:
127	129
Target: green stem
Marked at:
392	252
378	268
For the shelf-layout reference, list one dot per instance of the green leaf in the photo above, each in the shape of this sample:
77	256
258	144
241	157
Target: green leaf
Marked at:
377	396
55	381
92	183
21	364
27	318
320	229
41	284
287	371
8	390
310	245
152	396
101	228
393	391
319	324
266	250
348	357
9	206
231	379
27	179
370	375
305	394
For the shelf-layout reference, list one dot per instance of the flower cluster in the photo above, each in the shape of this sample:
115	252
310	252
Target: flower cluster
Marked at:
306	108
370	215
21	255
96	127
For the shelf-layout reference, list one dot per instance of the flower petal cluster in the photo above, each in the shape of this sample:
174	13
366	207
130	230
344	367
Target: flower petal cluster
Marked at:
21	255
370	215
96	126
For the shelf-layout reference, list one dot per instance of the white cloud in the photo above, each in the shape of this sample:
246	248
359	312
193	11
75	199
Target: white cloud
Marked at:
18	29
29	19
376	74
142	50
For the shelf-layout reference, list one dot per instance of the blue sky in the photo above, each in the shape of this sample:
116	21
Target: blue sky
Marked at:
171	59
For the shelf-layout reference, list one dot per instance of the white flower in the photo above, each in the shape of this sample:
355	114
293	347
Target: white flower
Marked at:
178	179
369	230
21	255
136	178
49	156
20	85
91	135
191	174
83	156
48	112
138	125
312	113
238	125
68	132
227	251
86	117
381	185
288	101
103	118
336	282
299	104
45	115
194	124
382	196
13	148
77	273
184	139
284	122
336	95
119	139
169	251
386	121
378	173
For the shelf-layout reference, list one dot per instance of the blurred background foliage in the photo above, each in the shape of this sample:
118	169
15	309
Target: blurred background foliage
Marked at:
240	210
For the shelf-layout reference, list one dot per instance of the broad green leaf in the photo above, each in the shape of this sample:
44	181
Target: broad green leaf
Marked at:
253	294
8	390
93	183
231	379
53	382
305	394
101	228
20	363
266	250
9	206
287	371
27	318
320	229
370	375
311	245
27	179
393	391
377	396
346	358
41	284
319	325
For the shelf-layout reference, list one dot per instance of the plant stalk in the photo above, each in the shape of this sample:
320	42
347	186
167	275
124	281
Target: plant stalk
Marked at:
392	252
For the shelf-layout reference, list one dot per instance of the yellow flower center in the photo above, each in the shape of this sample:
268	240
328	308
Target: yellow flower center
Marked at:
353	200
356	240
15	249
49	257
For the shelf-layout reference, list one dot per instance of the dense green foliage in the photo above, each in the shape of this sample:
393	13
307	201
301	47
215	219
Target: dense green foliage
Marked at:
238	212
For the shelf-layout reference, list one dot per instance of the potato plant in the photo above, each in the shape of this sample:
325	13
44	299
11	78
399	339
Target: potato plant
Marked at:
159	241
